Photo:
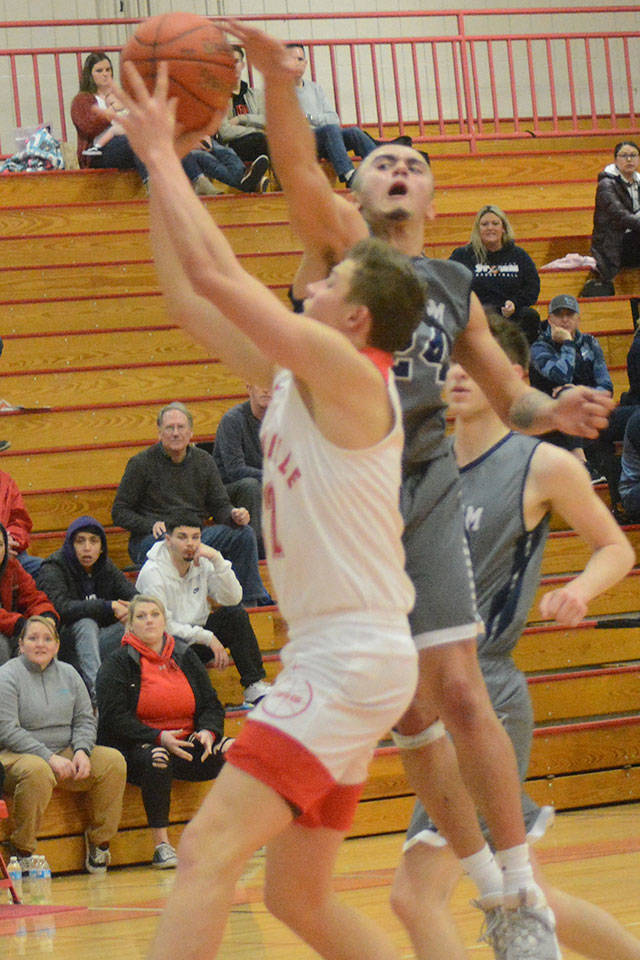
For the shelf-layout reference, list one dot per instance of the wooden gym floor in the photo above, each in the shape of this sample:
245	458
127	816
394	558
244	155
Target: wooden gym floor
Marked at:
592	854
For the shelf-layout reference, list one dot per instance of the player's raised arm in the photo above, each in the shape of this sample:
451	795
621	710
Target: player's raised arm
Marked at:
559	481
293	152
324	352
579	410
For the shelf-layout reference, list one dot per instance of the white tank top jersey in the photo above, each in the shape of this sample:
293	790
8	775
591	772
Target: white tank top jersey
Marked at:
331	520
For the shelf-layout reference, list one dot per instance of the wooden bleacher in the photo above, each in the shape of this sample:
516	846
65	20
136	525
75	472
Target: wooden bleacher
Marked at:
87	339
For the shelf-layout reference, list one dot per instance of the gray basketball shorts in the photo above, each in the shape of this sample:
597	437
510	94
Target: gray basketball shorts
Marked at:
437	555
510	698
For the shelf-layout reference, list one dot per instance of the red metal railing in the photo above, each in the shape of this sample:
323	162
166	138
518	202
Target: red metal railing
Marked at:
461	82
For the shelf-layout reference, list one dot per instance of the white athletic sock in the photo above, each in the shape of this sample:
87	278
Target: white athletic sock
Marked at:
517	872
484	871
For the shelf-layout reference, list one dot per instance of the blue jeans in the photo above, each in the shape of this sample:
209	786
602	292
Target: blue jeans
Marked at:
118	153
92	643
332	143
222	164
29	563
247	493
237	544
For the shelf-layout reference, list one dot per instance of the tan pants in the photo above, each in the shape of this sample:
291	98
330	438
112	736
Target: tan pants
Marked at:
30	780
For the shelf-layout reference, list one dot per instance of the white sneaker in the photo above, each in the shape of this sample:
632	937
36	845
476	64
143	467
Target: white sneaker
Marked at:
492	928
255	692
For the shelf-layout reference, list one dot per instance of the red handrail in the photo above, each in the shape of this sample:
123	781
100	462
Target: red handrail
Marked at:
465	85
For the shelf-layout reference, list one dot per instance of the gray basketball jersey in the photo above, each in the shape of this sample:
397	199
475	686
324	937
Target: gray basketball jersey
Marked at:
421	369
505	556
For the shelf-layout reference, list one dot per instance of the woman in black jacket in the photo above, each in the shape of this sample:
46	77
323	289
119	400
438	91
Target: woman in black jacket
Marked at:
505	278
157	706
616	217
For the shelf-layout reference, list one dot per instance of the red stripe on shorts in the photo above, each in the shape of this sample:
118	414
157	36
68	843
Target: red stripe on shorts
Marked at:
286	766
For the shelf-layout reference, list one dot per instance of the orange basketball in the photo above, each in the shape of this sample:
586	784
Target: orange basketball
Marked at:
201	64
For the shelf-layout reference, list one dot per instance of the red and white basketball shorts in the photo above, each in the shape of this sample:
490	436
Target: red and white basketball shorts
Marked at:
343	685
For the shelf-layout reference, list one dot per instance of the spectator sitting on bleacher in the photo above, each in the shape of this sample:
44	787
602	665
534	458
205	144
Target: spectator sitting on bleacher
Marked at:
17	522
186	574
91	125
243	127
218	162
615	242
91	595
332	140
174	474
505	278
563	356
157	706
238	454
48	739
19	599
629	483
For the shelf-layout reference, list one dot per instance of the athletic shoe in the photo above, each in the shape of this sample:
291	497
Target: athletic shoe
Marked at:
204	188
255	692
7	407
164	857
4	445
96	858
493	926
595	474
528	930
252	179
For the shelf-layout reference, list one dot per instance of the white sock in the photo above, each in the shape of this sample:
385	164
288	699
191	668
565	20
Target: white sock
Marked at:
484	871
517	872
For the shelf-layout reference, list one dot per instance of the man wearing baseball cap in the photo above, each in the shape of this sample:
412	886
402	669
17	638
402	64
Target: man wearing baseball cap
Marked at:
563	356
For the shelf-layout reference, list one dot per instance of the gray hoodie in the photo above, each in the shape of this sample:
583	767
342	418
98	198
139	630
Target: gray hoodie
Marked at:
44	711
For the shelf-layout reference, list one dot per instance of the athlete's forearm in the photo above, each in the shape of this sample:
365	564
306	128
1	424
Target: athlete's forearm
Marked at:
606	567
532	412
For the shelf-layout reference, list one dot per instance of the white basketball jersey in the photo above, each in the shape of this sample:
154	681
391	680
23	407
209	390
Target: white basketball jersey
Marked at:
331	521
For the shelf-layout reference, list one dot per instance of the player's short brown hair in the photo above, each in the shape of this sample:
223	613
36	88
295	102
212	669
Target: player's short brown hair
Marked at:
510	337
386	282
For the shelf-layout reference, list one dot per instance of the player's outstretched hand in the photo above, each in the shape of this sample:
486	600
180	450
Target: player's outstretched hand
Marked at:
566	606
582	411
266	53
151	119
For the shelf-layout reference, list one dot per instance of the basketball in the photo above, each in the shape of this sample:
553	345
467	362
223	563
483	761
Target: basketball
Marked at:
200	61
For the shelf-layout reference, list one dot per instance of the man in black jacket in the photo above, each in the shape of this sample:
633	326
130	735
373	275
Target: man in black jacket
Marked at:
92	597
172	475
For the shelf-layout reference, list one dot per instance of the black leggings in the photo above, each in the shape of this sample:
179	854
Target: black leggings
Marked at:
155	782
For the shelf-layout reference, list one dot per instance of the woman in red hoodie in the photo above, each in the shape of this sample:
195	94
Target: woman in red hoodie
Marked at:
157	706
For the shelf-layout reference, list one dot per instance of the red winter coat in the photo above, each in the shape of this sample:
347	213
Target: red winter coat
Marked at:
13	514
20	598
88	125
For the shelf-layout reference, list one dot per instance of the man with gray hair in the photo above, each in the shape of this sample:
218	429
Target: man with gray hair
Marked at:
175	474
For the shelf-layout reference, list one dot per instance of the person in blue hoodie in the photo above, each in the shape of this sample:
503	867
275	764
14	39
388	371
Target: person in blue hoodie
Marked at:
92	596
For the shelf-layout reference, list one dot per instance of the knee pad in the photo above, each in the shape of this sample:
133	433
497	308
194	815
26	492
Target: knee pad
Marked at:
413	741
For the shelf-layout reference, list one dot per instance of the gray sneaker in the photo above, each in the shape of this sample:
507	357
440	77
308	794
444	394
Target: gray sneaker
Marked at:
96	859
164	857
493	927
528	930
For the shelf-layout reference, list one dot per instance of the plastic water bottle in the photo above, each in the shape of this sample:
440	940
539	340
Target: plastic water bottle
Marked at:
46	877
15	874
37	880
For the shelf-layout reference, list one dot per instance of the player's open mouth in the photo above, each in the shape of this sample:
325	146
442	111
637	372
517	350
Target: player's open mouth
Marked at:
398	190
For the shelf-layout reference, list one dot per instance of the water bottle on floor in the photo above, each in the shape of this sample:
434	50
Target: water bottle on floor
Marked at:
15	874
37	880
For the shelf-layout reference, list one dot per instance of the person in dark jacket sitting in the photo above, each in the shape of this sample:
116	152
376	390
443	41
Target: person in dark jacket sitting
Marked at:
615	242
19	599
91	594
157	706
